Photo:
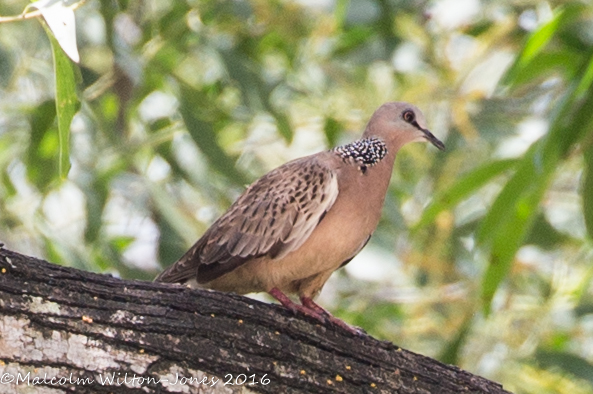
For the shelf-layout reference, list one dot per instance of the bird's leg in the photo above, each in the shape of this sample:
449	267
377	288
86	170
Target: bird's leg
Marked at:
313	306
294	307
310	304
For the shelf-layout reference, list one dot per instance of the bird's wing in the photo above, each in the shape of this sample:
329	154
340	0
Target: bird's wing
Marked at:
273	217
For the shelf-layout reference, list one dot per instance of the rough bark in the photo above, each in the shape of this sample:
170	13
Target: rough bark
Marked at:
63	323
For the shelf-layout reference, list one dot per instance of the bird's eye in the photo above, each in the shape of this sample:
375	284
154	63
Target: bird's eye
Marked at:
408	116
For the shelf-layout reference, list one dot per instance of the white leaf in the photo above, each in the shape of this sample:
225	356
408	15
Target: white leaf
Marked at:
60	19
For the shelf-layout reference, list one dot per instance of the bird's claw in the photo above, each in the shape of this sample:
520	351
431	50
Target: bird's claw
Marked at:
296	308
310	308
347	327
312	305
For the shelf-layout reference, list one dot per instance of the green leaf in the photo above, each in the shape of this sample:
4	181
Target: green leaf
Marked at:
353	38
121	243
524	181
7	65
282	123
540	38
567	362
464	188
177	219
341	11
586	80
171	245
66	102
585	307
543	65
332	129
545	236
254	89
450	354
42	168
509	220
588	191
96	190
532	61
204	135
515	208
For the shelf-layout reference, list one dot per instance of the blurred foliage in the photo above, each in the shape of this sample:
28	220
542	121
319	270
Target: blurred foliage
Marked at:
484	255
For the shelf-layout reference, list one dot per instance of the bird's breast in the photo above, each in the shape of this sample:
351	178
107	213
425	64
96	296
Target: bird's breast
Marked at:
338	237
344	229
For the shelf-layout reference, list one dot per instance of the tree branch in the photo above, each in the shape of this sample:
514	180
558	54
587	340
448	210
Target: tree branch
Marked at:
63	323
34	14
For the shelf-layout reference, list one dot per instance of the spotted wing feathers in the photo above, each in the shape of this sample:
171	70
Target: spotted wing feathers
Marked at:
273	217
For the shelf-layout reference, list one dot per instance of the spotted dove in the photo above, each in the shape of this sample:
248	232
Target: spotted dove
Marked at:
302	221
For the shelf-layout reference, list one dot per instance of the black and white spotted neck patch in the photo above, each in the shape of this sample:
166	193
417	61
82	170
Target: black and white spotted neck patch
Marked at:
365	153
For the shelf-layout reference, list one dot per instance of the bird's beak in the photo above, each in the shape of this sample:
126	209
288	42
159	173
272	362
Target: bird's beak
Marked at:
432	139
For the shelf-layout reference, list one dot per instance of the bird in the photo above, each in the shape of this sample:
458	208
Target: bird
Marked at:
293	227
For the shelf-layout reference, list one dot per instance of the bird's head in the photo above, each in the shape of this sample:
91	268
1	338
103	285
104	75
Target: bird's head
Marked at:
398	123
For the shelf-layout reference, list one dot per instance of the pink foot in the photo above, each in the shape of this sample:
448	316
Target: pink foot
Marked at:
288	304
312	305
